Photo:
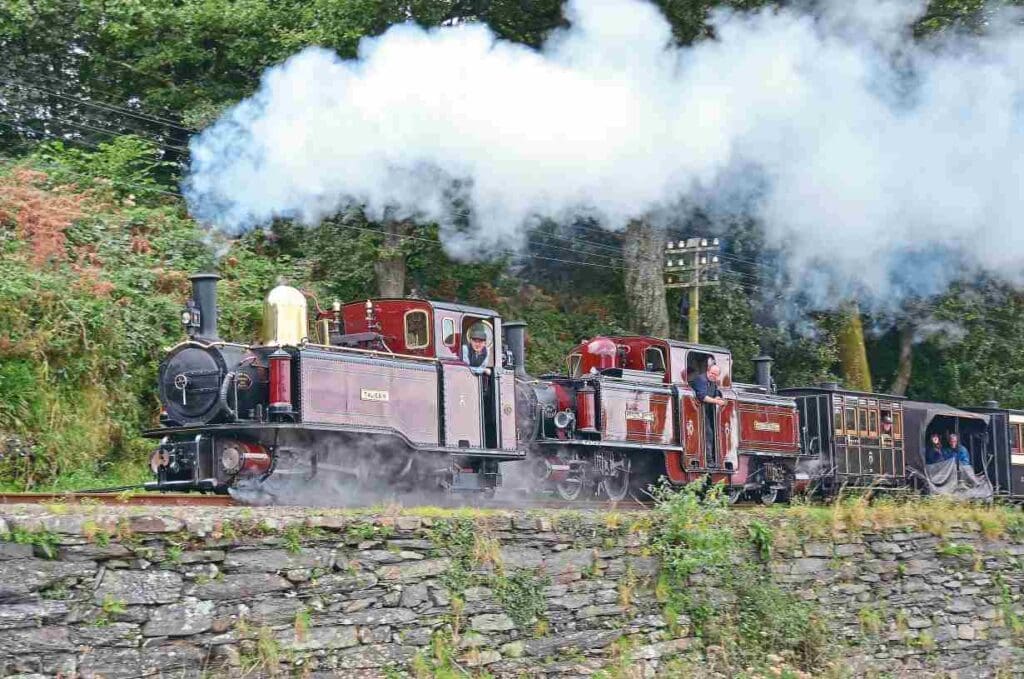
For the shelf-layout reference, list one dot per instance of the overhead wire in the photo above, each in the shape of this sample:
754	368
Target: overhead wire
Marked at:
94	103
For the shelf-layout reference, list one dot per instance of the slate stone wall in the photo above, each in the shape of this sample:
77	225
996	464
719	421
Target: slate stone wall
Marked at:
96	592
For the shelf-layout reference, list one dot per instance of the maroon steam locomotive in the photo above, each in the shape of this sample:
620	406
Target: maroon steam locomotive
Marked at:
378	392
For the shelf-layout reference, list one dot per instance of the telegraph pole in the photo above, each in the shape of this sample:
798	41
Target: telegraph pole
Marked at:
690	265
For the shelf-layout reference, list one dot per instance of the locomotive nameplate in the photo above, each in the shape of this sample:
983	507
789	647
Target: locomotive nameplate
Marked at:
641	415
374	395
767	426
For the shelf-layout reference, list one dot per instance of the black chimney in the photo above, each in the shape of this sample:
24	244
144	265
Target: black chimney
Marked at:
991	405
515	341
204	295
763	372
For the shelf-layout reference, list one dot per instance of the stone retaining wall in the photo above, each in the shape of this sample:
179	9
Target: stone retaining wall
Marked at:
96	592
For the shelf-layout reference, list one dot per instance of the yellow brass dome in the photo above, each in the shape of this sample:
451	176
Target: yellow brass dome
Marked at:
284	317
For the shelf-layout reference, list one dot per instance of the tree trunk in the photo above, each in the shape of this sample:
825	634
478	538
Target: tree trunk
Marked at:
902	378
643	250
853	356
390	264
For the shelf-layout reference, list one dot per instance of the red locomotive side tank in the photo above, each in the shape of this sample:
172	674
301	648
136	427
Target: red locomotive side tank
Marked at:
768	427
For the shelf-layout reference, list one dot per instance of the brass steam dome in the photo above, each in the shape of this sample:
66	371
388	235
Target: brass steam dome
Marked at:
284	317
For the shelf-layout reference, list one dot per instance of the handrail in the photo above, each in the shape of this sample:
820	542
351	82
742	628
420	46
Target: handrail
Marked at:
372	352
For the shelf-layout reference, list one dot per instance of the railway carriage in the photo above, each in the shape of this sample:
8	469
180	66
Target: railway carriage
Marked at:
1003	464
841	432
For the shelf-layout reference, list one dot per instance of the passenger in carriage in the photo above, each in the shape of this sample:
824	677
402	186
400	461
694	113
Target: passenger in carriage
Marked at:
956	450
705	388
886	424
933	451
475	353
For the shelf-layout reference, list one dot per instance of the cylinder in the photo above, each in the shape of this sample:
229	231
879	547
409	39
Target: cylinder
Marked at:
586	400
515	341
256	460
763	371
204	294
280	383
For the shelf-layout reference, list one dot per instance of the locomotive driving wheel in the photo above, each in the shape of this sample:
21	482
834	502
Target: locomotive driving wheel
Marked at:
768	495
571	486
615	475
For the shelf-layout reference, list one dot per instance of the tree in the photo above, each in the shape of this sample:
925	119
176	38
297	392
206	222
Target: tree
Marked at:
853	357
390	264
643	250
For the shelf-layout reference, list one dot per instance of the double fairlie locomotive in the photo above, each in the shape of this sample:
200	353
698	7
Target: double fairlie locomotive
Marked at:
411	394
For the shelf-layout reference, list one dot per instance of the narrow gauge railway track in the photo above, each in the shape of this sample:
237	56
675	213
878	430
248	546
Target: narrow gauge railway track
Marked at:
119	499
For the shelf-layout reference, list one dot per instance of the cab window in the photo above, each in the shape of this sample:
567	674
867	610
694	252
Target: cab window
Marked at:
654	360
416	334
574	365
1015	439
448	332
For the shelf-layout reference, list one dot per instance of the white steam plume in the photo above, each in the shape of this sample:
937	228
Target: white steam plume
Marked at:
878	166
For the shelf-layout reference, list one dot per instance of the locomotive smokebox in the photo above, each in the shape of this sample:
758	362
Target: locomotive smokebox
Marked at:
204	297
763	372
515	341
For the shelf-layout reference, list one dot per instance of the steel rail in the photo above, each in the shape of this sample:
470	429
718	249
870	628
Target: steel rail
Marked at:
119	499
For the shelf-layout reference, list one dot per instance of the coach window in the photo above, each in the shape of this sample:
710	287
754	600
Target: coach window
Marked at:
851	421
654	360
448	332
416	333
873	423
862	419
897	425
1015	439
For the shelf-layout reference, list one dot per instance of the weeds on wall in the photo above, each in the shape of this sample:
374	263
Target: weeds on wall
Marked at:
715	575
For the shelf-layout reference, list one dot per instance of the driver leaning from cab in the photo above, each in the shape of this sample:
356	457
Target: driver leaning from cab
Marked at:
475	353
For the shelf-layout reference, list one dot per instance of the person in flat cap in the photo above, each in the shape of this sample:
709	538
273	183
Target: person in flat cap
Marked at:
475	353
886	424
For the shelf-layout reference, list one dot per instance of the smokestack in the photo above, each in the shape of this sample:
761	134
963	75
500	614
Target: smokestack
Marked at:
515	341
204	295
991	405
763	372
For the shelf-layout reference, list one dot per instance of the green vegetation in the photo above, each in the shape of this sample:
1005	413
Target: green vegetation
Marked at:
744	617
109	609
45	542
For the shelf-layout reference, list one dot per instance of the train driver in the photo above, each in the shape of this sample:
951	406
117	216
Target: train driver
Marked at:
475	353
705	388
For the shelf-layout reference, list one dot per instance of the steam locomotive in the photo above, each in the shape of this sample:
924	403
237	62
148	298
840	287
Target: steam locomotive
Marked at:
377	392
